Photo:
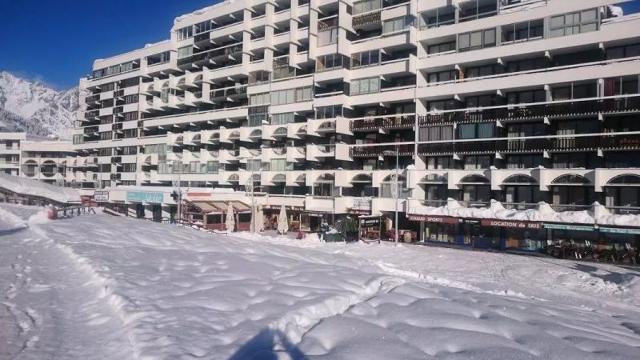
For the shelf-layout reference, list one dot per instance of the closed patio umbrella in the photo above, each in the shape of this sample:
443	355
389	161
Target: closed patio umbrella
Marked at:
259	220
230	222
283	224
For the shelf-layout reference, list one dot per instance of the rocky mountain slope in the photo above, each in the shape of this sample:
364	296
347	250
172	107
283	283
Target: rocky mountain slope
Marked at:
35	108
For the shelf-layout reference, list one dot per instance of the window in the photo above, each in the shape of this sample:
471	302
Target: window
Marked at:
129	167
365	86
129	150
365	58
442	47
254	164
279	165
185	32
258	115
476	131
574	23
202	27
397	24
436	133
130	99
477	40
438	17
366	6
160	58
477	162
212	167
290	96
526	97
523	161
483	100
442	76
106	135
328	62
185	52
129	116
329	36
328	112
477	9
259	99
623	51
526	65
281	119
524	31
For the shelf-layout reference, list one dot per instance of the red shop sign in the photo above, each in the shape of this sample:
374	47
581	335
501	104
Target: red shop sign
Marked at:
433	219
511	224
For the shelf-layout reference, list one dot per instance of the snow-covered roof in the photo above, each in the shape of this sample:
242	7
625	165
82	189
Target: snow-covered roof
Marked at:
30	187
544	213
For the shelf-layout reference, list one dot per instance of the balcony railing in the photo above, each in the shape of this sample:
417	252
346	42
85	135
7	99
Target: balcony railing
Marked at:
382	150
610	141
400	121
561	109
227	92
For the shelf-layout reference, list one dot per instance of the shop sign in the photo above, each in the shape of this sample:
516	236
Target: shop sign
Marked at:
361	204
370	221
433	219
511	224
101	195
620	231
568	227
198	194
145	196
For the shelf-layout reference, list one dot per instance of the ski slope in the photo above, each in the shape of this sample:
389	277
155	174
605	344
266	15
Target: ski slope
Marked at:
102	287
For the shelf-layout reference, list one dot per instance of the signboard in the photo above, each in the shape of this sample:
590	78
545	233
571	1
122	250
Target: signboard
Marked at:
514	224
101	195
568	227
361	204
370	221
620	231
433	219
145	196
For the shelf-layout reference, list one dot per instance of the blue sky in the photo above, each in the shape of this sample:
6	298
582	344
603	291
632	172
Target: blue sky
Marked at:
55	41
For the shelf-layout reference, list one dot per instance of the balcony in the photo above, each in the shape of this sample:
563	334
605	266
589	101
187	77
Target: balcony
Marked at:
377	151
388	122
554	110
576	143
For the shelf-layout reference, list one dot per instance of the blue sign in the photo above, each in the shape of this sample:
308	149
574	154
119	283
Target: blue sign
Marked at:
568	227
620	231
145	196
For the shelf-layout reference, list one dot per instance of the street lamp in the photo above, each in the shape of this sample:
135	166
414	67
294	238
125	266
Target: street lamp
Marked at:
396	189
252	224
177	170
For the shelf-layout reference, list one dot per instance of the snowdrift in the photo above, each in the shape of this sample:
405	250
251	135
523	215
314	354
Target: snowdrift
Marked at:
29	187
598	214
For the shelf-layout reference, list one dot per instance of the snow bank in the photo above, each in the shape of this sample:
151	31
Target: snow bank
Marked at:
182	293
10	222
544	212
25	186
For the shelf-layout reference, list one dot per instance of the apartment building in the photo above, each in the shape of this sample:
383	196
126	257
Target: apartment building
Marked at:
48	161
10	152
433	109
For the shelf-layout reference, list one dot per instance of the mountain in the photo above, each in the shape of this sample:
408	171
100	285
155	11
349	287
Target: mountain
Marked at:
35	108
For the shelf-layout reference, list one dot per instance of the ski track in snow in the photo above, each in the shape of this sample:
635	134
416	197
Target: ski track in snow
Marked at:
171	293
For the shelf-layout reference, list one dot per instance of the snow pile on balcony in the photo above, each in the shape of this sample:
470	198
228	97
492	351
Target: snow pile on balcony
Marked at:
133	289
30	187
544	213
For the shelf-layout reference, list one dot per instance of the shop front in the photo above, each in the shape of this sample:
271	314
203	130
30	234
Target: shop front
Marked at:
517	235
437	229
369	227
296	217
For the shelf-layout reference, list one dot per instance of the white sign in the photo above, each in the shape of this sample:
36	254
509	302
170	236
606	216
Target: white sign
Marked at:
101	195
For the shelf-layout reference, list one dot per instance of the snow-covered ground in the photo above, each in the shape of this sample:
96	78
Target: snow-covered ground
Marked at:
102	287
